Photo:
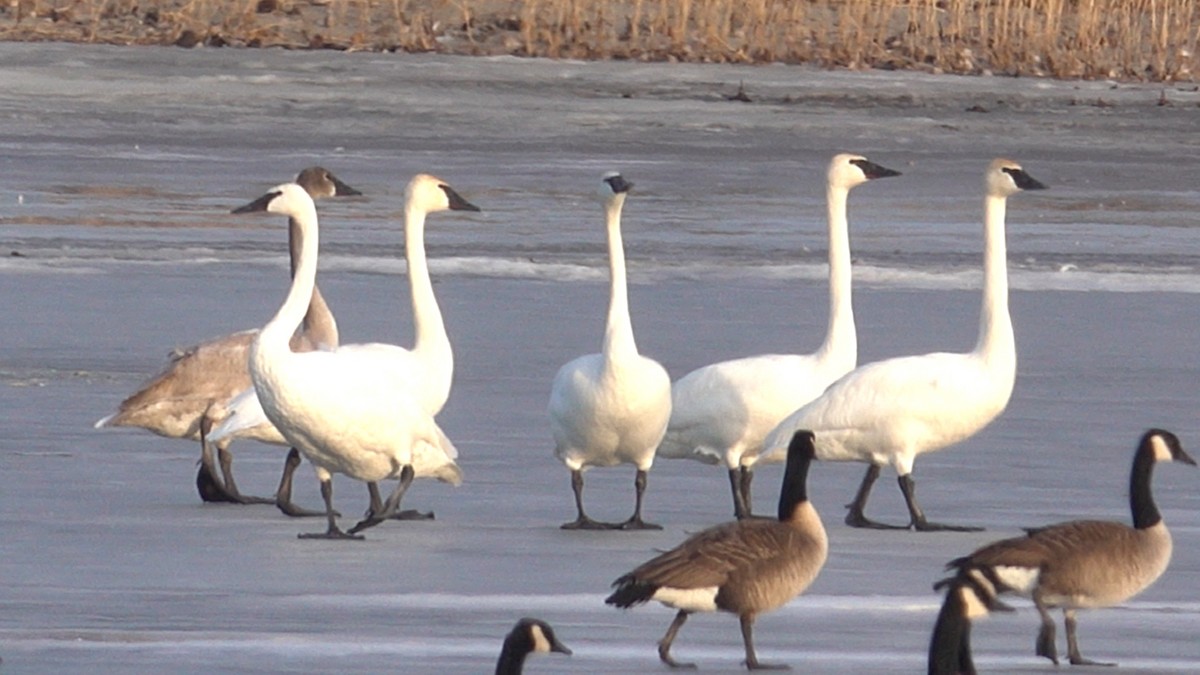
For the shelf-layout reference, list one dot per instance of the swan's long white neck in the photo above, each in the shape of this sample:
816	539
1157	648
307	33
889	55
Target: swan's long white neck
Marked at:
319	323
841	341
618	330
996	343
432	344
279	330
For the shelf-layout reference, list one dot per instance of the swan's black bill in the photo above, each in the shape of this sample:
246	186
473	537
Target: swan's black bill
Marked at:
618	184
1024	180
872	170
457	203
340	189
259	204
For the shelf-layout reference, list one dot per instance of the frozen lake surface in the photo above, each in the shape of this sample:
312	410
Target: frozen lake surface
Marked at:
119	168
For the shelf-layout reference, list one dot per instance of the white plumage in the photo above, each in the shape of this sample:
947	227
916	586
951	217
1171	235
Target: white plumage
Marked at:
348	411
722	412
888	412
610	408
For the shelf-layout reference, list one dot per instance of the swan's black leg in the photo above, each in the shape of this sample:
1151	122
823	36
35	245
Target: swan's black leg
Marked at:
582	522
919	523
283	495
333	531
635	522
226	459
856	517
207	482
377	507
391	507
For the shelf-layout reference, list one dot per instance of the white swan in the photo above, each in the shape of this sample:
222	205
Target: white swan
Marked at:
722	412
187	397
350	411
891	411
430	361
611	408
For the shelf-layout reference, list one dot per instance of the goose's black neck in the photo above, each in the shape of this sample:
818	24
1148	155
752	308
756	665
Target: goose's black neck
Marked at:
512	656
950	647
1141	501
795	477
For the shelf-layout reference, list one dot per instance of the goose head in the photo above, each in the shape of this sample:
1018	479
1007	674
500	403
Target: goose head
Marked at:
1164	446
848	170
1005	178
537	636
288	199
613	188
430	194
320	182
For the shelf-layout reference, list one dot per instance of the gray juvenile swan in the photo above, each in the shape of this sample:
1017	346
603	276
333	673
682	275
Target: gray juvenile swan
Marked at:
1079	564
745	567
180	401
527	636
722	412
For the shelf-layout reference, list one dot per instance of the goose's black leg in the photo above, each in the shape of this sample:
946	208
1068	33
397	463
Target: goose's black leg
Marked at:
1073	643
635	522
1045	639
856	518
582	522
664	645
333	531
752	661
919	523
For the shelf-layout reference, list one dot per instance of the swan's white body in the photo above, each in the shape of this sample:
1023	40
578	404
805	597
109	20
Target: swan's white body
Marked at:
354	411
611	408
891	411
722	412
430	362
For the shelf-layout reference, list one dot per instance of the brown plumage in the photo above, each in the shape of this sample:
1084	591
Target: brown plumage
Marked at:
1082	563
744	567
180	401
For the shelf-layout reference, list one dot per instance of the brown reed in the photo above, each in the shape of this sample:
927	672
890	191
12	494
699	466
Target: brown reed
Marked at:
1121	39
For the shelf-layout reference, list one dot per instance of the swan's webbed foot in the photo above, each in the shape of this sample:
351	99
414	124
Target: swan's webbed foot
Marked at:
636	523
927	526
412	514
214	491
334	532
855	518
585	523
289	508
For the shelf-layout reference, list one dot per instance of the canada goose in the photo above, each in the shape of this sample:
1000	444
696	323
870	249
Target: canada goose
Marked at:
430	362
968	598
722	412
528	635
891	411
349	411
180	400
745	567
1082	564
611	408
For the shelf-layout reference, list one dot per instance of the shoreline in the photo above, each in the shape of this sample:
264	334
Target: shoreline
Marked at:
1059	42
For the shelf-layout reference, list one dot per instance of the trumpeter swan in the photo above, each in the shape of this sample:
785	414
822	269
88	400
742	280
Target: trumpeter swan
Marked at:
349	411
722	412
610	408
185	399
891	411
430	361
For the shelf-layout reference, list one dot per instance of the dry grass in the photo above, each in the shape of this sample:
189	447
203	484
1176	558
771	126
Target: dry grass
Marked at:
1125	39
